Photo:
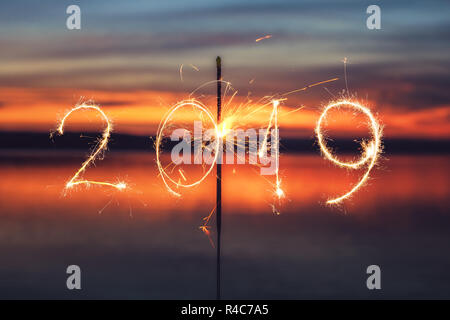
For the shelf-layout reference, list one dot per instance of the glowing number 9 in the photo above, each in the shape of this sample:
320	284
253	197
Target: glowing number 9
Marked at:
371	149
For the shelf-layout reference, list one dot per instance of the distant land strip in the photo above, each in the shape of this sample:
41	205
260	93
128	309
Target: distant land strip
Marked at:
124	142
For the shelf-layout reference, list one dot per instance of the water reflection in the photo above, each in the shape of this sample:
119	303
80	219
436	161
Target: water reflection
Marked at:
146	244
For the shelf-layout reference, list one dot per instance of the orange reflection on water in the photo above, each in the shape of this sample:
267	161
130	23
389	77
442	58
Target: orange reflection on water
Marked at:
34	184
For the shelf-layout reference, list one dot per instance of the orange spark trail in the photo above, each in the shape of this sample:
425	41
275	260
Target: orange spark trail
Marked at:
182	175
310	86
264	37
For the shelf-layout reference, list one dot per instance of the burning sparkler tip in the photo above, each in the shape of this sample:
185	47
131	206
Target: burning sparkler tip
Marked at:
121	186
280	193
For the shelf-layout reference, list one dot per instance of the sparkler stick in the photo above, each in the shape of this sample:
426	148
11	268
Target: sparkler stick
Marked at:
219	175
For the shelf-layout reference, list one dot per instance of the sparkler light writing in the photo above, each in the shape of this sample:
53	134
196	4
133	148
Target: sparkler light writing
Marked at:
241	113
371	149
238	115
101	147
168	181
275	139
221	132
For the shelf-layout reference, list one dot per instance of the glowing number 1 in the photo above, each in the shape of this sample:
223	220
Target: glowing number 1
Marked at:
275	139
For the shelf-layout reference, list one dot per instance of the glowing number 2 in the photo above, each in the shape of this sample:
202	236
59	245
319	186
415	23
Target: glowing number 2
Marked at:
76	180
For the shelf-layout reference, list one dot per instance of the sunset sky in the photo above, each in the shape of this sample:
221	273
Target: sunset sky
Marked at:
127	58
103	202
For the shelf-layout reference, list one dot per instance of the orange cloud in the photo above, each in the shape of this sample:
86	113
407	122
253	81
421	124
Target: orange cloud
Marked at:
139	112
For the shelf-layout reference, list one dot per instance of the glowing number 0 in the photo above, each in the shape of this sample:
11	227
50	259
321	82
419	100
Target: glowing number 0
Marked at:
164	175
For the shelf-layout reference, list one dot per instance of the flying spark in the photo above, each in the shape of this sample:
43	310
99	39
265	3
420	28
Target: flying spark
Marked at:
263	38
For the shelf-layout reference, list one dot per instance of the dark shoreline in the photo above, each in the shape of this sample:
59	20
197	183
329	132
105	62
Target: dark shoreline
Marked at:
43	141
